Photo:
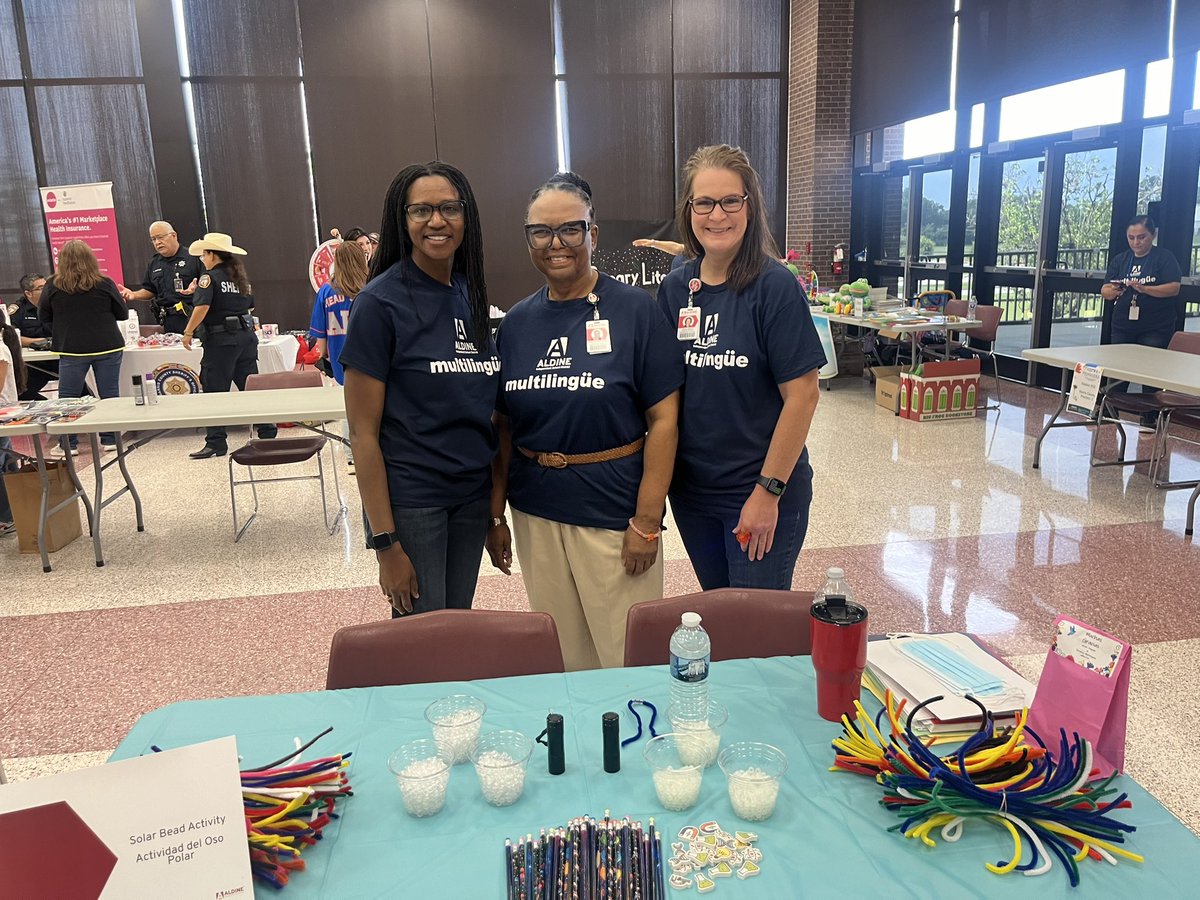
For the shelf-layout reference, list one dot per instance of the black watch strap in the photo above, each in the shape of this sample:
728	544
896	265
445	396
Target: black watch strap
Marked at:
772	485
383	540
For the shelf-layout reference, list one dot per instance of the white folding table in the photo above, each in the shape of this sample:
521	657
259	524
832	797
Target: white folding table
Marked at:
121	414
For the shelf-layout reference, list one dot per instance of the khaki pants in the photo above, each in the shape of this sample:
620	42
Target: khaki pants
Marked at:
575	574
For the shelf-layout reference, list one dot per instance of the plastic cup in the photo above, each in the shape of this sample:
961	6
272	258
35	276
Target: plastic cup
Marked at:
839	654
456	721
422	774
753	771
500	759
707	731
676	781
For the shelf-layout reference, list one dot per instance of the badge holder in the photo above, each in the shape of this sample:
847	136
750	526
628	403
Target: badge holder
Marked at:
599	340
689	317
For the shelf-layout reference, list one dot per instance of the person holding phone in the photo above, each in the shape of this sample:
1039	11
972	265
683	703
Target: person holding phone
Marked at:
1143	283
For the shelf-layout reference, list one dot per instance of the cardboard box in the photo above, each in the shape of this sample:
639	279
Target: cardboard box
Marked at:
943	390
887	387
25	495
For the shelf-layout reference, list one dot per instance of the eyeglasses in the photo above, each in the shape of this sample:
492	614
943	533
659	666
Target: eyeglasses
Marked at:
569	234
451	210
702	206
155	238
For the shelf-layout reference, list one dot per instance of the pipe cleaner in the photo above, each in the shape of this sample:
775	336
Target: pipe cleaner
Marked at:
1052	802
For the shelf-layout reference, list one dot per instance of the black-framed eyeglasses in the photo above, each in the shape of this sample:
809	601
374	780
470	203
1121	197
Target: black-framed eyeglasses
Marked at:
705	205
451	211
569	234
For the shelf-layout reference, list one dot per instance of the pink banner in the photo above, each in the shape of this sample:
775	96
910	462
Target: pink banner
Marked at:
84	212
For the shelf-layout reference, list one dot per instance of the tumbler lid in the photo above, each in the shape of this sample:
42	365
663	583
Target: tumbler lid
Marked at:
839	611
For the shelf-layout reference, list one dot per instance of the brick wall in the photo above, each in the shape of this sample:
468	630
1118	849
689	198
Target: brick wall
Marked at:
819	147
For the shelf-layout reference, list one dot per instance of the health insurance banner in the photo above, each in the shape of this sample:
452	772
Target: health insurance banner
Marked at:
84	212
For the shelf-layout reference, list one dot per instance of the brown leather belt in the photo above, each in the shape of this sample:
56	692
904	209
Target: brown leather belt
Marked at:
562	460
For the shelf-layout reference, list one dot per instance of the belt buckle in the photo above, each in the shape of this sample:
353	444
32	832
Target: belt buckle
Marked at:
552	460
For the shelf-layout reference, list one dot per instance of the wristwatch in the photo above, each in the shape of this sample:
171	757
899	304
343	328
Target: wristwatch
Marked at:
496	522
772	485
383	540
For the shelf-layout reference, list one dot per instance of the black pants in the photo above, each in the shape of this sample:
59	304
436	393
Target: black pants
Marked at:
174	322
228	359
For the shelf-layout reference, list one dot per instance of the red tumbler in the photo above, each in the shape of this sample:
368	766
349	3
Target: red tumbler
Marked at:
839	655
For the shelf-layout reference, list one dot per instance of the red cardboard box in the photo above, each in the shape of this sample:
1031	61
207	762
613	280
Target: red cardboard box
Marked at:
943	390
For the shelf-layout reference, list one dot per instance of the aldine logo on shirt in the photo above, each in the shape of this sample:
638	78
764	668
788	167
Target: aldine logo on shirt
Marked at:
709	336
461	344
556	356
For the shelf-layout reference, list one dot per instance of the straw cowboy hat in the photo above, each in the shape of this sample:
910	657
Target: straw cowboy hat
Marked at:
217	242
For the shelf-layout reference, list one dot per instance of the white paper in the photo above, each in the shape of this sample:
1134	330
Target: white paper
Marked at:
175	820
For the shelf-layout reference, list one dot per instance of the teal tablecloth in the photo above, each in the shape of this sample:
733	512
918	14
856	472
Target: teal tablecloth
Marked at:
828	835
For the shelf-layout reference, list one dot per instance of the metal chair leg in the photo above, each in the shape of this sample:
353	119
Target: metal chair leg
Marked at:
239	532
1191	516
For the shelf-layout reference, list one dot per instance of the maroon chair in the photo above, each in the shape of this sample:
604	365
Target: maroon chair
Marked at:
741	623
444	645
283	452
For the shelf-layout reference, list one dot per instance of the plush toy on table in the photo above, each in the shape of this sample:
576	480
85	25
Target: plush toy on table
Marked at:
842	303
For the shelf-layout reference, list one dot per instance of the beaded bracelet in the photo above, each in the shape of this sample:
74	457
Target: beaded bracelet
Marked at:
642	534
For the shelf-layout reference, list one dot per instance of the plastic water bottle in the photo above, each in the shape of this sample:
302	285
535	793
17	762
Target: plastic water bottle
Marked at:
691	653
835	591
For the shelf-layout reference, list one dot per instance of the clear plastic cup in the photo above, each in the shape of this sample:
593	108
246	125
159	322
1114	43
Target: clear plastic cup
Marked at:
676	781
456	721
422	774
500	759
753	771
707	731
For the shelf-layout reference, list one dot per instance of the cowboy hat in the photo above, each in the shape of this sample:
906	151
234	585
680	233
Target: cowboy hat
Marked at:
217	242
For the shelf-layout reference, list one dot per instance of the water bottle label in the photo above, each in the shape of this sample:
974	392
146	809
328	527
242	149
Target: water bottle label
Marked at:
689	670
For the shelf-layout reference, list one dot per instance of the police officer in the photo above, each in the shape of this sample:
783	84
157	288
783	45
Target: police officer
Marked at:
170	280
24	317
222	309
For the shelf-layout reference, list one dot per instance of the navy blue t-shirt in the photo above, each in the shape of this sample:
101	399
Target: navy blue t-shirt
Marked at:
1159	266
749	344
414	334
560	398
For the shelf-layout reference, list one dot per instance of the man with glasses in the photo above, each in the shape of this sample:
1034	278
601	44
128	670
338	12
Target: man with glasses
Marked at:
34	333
170	279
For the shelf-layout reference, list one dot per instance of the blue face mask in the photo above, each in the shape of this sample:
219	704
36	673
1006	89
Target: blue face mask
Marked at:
950	667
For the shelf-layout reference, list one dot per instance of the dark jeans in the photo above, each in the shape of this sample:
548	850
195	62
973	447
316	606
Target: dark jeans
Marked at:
718	558
445	545
1159	338
229	358
72	370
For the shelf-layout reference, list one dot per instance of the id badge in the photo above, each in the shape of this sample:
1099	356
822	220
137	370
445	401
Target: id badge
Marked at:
1134	311
598	338
689	324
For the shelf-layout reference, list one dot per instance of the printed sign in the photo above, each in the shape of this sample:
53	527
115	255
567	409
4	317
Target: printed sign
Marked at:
1085	389
84	212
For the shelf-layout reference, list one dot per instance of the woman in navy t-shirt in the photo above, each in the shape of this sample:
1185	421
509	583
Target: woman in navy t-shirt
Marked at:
421	375
743	484
589	407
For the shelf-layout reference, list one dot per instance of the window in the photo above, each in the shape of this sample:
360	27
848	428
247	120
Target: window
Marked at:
1063	107
977	112
935	216
929	135
1150	178
1158	89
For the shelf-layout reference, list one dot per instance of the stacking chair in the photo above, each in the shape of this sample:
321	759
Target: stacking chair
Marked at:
282	452
741	622
977	343
1163	405
443	645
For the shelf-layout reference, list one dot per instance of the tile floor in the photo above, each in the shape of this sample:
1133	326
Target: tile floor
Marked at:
940	526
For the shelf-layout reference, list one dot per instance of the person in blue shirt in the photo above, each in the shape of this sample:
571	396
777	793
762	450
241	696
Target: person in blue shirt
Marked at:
743	483
421	378
1143	283
588	427
331	312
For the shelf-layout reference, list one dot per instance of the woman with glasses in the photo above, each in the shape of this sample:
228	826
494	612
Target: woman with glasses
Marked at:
421	376
743	483
587	421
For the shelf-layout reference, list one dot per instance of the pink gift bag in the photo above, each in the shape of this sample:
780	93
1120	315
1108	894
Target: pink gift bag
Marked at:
1084	688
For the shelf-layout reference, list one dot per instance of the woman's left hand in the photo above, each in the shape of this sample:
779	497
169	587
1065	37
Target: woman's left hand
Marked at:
638	554
760	514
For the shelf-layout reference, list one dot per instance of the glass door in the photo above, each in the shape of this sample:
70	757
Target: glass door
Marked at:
1015	273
